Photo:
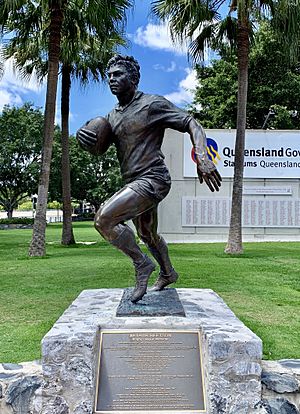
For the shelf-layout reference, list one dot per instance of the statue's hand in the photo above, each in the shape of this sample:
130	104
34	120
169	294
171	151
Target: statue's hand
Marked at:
207	172
86	138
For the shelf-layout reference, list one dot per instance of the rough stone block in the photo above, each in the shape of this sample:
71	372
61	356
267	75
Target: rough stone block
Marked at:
280	383
19	387
231	352
280	406
281	380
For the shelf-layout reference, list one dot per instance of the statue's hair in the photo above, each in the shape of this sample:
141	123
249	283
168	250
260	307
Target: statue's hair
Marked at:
132	66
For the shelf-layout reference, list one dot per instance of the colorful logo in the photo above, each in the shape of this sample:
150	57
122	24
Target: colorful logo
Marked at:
212	151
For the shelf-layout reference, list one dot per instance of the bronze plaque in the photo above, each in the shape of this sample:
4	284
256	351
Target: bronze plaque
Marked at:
150	370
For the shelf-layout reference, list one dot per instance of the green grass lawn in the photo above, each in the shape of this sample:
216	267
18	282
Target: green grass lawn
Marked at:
261	286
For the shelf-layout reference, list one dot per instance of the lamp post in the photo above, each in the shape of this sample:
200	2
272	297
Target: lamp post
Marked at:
271	113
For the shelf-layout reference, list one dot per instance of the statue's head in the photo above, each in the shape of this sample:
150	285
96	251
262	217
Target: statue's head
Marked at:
129	64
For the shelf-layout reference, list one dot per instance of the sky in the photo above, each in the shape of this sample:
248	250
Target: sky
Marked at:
165	70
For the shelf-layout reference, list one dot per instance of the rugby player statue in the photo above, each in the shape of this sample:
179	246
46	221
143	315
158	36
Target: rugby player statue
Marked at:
136	126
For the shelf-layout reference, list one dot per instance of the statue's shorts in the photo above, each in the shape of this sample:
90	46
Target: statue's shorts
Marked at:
154	184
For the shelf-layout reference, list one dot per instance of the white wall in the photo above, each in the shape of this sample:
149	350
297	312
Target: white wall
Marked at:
170	210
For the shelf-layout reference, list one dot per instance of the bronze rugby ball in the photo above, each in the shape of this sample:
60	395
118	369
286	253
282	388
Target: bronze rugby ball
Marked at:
103	131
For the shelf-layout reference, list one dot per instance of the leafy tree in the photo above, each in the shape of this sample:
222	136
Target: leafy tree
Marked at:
200	22
104	179
274	83
93	179
21	131
215	101
283	118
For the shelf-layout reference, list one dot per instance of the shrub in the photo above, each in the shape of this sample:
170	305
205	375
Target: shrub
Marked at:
17	220
54	205
27	205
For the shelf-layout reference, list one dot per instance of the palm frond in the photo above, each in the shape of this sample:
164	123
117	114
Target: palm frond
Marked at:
7	8
89	38
286	22
1	66
202	42
227	29
186	18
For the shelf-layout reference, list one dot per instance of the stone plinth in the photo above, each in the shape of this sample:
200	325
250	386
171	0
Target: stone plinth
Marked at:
231	352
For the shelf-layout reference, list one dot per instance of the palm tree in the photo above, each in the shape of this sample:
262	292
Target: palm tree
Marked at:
37	246
201	23
93	15
23	18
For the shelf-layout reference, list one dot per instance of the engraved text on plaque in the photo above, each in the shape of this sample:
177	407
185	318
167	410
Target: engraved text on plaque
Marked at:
150	371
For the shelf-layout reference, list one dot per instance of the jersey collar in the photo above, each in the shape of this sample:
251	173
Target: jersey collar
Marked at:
136	96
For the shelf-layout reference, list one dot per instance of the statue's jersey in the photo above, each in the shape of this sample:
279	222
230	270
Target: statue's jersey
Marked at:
138	130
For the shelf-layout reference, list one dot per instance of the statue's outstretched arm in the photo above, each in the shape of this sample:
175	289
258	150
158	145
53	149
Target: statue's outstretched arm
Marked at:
206	169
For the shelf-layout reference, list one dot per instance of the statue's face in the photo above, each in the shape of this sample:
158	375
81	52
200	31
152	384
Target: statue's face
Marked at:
119	80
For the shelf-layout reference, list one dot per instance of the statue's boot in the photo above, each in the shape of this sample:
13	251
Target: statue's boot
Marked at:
167	273
143	264
164	280
142	274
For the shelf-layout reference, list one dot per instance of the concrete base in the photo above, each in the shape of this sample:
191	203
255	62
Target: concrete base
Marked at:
231	352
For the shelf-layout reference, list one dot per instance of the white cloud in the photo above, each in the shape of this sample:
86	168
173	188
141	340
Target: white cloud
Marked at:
13	87
157	37
8	98
185	91
168	69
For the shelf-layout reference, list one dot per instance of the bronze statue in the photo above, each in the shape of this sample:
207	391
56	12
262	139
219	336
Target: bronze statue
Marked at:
138	124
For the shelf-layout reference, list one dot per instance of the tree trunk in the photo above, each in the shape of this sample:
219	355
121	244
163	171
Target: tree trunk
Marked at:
38	242
9	213
67	230
234	244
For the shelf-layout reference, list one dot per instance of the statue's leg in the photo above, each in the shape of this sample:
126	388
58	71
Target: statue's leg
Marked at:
109	222
146	225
